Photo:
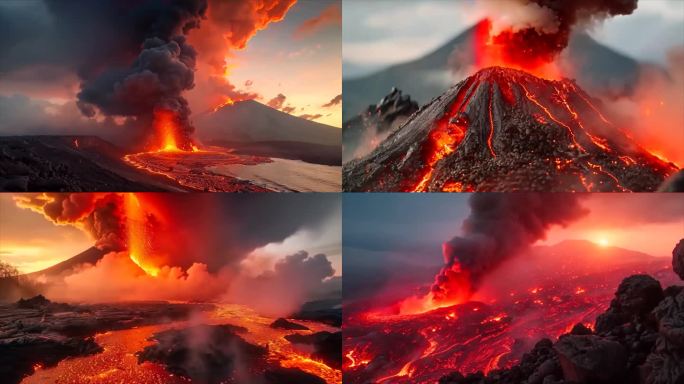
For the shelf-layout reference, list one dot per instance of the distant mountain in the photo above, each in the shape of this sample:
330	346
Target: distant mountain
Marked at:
251	121
599	69
90	256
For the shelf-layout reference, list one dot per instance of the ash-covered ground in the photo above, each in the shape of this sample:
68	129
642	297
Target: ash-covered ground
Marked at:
506	130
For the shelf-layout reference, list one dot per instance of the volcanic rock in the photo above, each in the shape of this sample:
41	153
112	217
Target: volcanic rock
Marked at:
216	352
379	119
588	358
285	324
37	331
506	130
674	183
678	259
636	296
19	355
665	364
327	346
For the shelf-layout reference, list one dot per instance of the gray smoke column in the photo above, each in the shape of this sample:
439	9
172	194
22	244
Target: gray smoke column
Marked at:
499	227
160	71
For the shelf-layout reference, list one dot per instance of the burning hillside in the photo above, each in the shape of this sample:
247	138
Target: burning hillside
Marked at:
505	130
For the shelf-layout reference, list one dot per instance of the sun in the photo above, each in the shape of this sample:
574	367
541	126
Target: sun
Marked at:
603	242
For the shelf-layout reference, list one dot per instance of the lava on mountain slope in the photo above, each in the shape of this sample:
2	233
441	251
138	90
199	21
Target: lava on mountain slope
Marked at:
506	130
383	346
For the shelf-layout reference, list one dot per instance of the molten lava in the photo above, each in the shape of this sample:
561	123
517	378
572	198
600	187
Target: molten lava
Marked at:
525	50
138	237
384	346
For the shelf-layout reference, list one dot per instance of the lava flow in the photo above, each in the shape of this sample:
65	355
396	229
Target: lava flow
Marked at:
490	331
503	129
118	363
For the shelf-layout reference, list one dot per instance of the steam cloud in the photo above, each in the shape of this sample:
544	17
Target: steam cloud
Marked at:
499	227
541	28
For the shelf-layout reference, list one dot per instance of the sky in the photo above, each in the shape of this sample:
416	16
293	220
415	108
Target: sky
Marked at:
412	227
31	243
50	48
305	67
384	32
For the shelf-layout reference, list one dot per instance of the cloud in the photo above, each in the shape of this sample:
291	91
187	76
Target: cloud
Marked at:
310	116
248	83
330	16
277	102
335	101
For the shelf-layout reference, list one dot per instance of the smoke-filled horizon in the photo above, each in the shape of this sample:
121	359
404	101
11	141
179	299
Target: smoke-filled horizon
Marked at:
396	239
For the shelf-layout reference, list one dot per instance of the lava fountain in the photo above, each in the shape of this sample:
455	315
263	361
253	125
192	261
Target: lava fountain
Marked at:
139	246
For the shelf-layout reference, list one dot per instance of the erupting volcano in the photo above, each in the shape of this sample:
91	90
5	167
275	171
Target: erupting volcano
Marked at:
164	295
496	297
503	129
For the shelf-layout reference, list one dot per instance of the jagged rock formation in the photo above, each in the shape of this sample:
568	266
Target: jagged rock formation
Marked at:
286	324
327	346
365	130
506	130
638	340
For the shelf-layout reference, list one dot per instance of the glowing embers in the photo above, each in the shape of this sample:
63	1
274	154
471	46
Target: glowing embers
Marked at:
139	240
226	102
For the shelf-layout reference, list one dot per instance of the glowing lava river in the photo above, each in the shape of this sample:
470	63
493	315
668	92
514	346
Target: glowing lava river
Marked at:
384	345
118	362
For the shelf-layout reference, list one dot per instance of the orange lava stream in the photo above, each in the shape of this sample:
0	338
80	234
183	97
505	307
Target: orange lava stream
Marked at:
598	168
491	122
597	141
138	239
118	363
548	113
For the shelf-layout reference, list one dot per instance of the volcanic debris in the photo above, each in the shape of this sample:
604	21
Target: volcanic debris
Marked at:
503	129
638	340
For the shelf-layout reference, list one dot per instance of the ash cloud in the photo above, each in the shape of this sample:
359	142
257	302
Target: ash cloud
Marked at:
337	100
99	214
541	28
498	228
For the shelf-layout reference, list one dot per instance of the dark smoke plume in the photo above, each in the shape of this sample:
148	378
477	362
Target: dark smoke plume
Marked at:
543	39
99	214
162	68
499	227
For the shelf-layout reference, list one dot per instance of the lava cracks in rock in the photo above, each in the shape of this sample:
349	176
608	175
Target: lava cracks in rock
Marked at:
506	130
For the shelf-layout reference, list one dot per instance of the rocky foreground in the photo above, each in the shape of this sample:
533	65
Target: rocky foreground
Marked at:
37	332
638	340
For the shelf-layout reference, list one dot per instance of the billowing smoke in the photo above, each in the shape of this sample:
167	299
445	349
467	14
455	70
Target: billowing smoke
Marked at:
163	69
282	290
499	227
99	214
536	31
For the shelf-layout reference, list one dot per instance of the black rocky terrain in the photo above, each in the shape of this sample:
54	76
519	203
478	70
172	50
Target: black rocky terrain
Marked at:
212	354
327	346
73	164
506	130
285	324
37	331
638	340
377	121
